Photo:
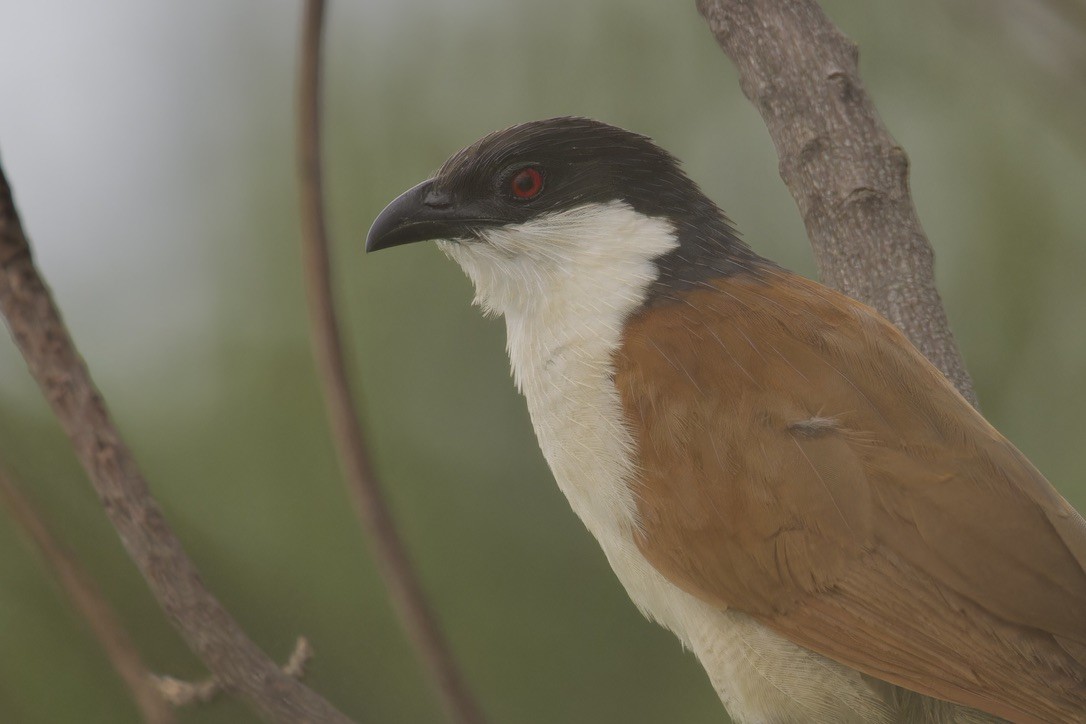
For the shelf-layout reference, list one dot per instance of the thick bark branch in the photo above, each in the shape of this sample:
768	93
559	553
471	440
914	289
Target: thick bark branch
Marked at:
210	631
89	603
848	176
400	578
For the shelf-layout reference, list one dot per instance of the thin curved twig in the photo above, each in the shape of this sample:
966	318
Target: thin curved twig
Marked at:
403	585
848	175
208	629
89	602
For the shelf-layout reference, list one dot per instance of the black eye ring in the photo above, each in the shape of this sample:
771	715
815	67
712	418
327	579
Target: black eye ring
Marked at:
526	183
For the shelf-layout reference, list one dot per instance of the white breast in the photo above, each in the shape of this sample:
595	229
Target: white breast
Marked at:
565	284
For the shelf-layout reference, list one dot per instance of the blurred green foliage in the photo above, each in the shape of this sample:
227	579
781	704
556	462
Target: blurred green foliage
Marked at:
227	420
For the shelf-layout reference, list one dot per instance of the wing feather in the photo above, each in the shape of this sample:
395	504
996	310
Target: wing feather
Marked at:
802	462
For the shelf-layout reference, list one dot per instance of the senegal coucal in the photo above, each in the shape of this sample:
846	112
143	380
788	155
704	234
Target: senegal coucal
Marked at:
773	471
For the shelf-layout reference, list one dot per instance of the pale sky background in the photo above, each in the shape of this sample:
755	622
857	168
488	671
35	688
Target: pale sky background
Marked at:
115	128
123	128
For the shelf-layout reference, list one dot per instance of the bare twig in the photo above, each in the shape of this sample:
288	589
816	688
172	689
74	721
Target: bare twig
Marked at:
88	601
183	693
848	176
406	593
209	630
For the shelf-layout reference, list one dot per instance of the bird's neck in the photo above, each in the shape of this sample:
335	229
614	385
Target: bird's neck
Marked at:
565	281
708	248
565	316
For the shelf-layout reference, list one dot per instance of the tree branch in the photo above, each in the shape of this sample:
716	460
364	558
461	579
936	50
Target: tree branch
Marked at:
184	693
53	360
848	176
403	585
88	601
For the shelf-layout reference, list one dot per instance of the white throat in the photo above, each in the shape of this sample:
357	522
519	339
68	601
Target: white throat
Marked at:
569	277
565	283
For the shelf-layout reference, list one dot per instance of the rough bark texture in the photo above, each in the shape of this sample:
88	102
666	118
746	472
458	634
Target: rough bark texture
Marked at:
847	174
404	589
53	360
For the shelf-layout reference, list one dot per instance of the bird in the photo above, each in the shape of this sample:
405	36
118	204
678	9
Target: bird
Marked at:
772	470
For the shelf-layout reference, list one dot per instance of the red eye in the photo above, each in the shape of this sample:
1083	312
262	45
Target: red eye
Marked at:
527	183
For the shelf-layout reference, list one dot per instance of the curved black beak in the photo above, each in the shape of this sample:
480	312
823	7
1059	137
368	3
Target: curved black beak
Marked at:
422	213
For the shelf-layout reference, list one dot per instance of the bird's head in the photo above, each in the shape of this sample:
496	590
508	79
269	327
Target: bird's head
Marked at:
565	208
